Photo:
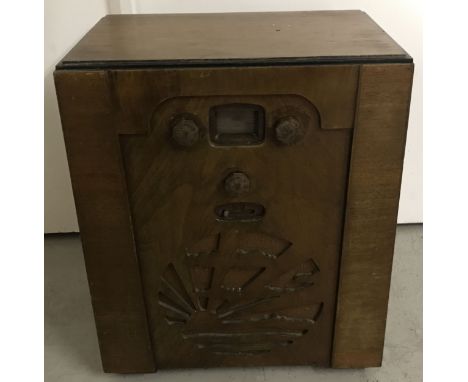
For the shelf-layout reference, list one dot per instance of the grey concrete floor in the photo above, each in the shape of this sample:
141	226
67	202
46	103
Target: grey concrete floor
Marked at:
71	348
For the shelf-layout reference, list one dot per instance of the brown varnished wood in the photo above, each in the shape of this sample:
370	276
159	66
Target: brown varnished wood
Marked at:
371	214
95	108
255	309
101	200
234	39
330	88
171	285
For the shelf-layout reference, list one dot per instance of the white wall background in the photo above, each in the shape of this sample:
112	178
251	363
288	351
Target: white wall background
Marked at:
67	21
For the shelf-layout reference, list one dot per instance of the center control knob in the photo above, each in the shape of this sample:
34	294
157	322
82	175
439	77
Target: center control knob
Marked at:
185	132
237	183
289	130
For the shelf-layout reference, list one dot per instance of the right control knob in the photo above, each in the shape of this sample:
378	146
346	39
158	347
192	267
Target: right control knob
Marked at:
289	130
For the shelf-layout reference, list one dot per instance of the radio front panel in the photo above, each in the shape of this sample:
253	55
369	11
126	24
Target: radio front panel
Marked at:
238	206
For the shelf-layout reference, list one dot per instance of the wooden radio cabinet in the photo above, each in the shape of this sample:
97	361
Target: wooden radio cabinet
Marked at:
237	179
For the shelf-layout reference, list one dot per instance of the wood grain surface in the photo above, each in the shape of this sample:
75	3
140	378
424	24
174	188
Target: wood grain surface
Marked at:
238	293
332	89
371	214
101	200
234	39
159	261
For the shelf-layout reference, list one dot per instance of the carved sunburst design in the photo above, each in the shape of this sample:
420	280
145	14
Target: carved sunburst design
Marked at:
241	293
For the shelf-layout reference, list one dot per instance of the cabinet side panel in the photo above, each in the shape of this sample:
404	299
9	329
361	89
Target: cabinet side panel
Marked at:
105	224
371	214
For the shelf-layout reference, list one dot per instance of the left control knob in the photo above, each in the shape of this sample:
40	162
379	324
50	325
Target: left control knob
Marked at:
185	132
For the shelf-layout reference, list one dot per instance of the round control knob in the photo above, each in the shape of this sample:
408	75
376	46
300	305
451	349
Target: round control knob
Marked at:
237	183
289	130
185	132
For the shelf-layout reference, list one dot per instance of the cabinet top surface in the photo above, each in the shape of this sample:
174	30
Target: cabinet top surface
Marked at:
232	39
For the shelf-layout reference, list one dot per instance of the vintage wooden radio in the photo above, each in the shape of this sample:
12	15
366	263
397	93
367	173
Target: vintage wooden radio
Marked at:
236	179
